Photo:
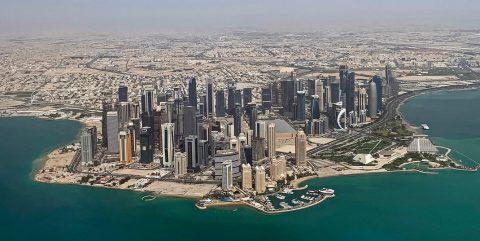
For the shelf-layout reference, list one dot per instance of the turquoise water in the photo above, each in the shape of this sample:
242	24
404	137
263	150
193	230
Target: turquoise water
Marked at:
453	119
396	206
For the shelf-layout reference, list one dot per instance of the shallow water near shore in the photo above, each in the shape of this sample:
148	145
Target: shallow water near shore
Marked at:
389	206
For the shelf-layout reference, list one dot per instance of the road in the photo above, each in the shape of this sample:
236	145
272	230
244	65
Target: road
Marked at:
388	114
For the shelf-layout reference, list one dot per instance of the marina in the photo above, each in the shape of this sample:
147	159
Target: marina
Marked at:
289	201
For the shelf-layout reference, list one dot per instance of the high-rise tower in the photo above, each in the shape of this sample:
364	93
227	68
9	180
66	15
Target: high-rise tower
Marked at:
125	147
192	92
300	149
237	119
112	131
168	143
372	100
271	140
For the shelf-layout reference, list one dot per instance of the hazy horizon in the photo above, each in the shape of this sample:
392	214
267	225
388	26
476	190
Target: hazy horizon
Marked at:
195	16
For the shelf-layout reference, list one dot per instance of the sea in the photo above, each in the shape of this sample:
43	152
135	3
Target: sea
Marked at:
383	207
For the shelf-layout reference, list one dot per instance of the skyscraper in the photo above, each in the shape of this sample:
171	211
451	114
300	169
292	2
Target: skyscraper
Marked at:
300	149
362	99
180	164
202	106
343	73
122	93
86	148
246	177
260	186
192	92
227	177
260	129
123	114
125	147
238	97
372	100
335	92
288	95
282	166
378	84
237	119
105	108
266	98
210	98
251	112
133	137
146	145
220	104
112	131
168	143
258	150
189	121
320	92
191	148
390	82
203	152
178	114
134	110
248	154
148	100
92	131
227	155
271	140
315	107
350	92
275	169
231	98
311	87
247	96
328	97
300	115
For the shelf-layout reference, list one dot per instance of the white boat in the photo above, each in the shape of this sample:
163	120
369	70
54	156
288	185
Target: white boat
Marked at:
425	126
287	191
327	191
280	197
285	205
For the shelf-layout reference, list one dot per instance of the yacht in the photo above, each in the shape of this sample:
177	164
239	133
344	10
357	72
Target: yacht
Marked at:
327	191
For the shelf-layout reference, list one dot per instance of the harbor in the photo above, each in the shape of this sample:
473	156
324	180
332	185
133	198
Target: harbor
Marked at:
288	200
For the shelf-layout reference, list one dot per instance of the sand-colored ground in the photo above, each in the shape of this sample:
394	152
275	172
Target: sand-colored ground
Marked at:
180	189
291	148
54	167
54	170
320	140
130	171
58	159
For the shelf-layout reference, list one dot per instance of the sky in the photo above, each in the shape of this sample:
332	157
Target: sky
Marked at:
200	16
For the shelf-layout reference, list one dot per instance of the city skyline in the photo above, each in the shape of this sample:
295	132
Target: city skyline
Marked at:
197	119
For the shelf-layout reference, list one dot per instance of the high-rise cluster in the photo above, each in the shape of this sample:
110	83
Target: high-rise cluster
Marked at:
231	131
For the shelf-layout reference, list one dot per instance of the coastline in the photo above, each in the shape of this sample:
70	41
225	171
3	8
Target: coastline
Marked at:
46	158
415	128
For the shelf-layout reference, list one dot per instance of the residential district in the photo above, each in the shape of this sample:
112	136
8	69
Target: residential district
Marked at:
238	118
